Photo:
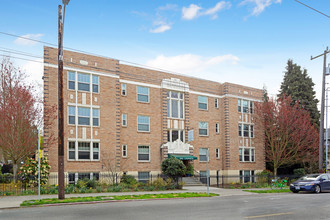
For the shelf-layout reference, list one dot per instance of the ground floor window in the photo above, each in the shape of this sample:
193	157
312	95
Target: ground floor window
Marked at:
83	150
247	176
203	176
143	176
246	154
74	177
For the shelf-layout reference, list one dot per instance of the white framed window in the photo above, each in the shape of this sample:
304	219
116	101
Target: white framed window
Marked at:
175	104
143	176
203	128
124	120
71	80
203	154
245	106
216	103
217	128
173	135
74	177
246	130
142	94
72	115
247	176
96	151
246	154
123	90
84	150
83	82
217	153
83	116
72	150
202	102
143	123
96	117
95	84
124	150
144	153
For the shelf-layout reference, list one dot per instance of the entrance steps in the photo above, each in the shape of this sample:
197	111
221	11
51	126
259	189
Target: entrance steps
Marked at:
192	181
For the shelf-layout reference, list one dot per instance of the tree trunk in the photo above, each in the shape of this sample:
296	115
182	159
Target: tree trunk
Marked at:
15	172
275	171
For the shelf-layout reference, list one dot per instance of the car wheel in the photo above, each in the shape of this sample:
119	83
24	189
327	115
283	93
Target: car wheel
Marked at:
317	189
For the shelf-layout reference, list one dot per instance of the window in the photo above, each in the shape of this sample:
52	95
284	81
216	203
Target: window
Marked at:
124	150
124	120
83	150
175	104
245	106
247	176
142	94
95	81
96	117
217	153
217	129
245	130
72	150
72	115
123	89
216	102
74	177
143	177
83	82
203	176
173	135
96	151
203	154
83	116
72	80
143	153
246	154
143	123
202	102
203	128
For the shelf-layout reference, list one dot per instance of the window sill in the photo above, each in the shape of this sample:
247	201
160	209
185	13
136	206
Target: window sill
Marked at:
203	135
143	161
144	132
143	102
203	109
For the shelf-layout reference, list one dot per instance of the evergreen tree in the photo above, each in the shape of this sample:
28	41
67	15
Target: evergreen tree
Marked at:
300	87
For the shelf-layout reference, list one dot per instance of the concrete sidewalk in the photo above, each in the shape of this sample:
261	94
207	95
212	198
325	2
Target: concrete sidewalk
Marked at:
15	201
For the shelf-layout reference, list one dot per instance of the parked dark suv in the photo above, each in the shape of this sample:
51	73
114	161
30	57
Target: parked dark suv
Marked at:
312	182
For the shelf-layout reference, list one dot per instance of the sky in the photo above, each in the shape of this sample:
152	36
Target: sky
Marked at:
246	42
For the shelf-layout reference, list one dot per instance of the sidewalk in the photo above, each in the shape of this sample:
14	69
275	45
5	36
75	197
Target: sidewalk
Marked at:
15	201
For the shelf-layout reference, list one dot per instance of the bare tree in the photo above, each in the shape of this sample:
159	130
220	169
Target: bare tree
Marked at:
20	115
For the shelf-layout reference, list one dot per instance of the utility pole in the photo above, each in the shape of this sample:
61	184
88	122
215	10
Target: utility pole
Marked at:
61	194
321	137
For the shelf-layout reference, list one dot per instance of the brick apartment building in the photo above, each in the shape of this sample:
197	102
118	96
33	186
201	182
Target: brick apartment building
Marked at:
128	119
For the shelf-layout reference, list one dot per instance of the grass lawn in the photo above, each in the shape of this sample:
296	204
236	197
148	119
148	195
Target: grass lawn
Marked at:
269	191
123	197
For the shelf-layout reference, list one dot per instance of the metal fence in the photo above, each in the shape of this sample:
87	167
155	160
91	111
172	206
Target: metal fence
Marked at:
29	184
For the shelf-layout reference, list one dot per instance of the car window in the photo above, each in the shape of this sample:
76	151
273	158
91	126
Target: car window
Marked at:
324	177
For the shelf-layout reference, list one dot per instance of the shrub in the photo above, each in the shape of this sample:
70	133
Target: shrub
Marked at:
159	183
82	183
299	172
128	179
98	189
69	188
29	171
6	178
173	168
91	183
190	170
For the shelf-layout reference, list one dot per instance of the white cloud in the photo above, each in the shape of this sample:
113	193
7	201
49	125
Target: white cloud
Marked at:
34	71
260	5
191	12
194	11
190	63
25	42
168	7
160	29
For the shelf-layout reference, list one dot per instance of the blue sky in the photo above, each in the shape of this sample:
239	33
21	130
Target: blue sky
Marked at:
246	42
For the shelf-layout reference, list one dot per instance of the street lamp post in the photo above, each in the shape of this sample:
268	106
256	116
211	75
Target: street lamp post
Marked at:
61	194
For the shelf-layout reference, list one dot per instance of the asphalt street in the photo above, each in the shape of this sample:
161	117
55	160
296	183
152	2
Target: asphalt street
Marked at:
249	206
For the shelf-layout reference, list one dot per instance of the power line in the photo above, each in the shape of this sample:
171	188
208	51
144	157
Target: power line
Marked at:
313	9
93	54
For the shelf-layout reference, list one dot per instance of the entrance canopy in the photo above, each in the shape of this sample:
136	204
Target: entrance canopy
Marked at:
182	156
